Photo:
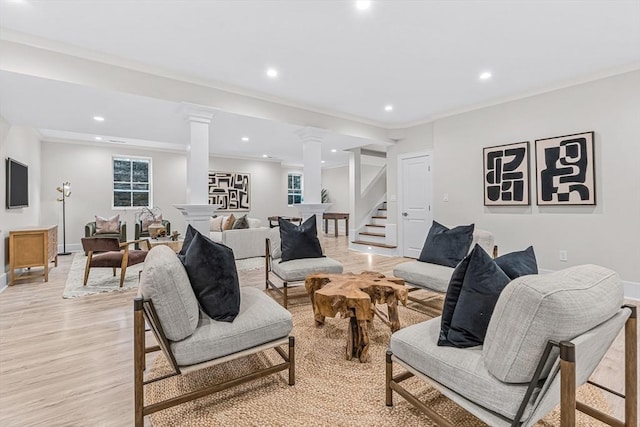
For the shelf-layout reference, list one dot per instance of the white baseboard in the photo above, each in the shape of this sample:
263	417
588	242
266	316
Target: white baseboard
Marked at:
3	281
71	247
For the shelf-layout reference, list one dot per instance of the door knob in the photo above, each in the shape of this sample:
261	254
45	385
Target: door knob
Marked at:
405	214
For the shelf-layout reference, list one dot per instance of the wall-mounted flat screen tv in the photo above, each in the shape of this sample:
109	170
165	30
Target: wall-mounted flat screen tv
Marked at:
17	184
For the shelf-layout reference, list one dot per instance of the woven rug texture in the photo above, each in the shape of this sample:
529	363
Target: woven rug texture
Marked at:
329	390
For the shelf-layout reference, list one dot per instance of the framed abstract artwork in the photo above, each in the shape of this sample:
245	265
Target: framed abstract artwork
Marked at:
506	175
565	170
231	190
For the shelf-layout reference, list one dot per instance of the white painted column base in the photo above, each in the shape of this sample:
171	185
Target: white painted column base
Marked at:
198	216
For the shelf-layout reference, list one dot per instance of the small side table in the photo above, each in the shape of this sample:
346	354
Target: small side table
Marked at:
273	220
176	245
335	216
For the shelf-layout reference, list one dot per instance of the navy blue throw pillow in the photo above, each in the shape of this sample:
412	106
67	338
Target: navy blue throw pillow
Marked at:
299	241
516	264
483	282
451	300
212	272
445	246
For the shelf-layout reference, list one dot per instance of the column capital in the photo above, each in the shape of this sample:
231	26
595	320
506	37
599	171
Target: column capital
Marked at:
311	134
197	113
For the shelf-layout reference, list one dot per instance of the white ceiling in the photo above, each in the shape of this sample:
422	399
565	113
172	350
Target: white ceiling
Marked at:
423	57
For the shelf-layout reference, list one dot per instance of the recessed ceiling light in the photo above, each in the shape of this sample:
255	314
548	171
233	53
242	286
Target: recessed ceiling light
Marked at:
363	4
388	108
485	76
245	139
98	138
98	118
272	72
265	156
322	161
333	150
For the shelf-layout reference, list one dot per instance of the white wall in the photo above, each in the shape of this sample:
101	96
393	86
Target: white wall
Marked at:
605	234
88	168
22	144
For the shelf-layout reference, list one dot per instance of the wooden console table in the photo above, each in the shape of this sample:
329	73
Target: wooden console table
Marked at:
32	247
273	220
335	216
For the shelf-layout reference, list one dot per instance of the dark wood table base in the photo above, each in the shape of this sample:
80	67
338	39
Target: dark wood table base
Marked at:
335	216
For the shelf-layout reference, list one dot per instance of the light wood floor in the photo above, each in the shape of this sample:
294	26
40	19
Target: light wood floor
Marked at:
69	362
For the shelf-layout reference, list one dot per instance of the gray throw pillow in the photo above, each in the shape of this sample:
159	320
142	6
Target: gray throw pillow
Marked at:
241	223
445	246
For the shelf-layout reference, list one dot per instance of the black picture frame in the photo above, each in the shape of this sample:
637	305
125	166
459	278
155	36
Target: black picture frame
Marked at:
565	170
506	175
230	190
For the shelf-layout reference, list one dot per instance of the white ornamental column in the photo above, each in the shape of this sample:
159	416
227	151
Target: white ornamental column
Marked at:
312	174
197	210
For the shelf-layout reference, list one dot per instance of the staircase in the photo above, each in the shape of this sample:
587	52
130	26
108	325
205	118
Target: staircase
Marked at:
373	233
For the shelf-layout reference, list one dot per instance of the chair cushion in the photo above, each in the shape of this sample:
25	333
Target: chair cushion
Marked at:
459	369
275	247
212	272
164	280
478	293
260	320
520	263
299	241
534	309
445	246
298	269
425	275
114	259
107	225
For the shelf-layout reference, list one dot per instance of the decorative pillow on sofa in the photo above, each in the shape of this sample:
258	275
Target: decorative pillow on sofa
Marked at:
445	246
241	223
212	272
227	223
478	293
107	225
299	241
516	264
215	223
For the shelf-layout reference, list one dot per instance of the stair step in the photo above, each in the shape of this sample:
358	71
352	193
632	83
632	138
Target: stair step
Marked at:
366	233
374	225
382	209
379	216
380	245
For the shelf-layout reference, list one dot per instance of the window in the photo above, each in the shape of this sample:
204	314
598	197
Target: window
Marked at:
294	188
131	182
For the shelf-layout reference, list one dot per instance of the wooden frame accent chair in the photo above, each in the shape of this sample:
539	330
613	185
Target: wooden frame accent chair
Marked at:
191	340
435	278
108	252
295	270
546	336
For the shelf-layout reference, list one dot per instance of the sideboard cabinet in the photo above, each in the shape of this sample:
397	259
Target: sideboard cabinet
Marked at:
32	247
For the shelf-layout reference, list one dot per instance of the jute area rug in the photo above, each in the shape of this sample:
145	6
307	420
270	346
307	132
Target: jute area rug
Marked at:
329	390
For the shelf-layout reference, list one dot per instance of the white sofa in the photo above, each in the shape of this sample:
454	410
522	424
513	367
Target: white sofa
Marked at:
436	277
245	242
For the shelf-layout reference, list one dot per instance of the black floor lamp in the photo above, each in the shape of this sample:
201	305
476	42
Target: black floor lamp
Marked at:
66	192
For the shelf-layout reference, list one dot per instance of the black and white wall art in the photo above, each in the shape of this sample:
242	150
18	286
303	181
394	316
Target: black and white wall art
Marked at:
231	190
565	170
506	175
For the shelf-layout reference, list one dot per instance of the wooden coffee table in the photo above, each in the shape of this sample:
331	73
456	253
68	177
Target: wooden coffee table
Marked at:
355	296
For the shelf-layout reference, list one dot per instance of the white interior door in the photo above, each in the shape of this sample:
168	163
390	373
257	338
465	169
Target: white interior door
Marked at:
415	203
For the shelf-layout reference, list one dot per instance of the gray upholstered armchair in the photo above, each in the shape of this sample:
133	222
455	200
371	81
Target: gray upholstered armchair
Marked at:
191	340
546	336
